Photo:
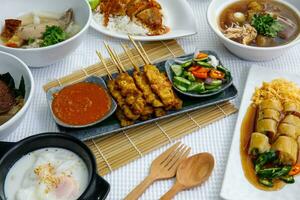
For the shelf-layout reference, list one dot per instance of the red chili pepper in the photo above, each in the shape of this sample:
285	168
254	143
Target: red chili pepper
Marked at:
295	170
216	74
202	75
11	44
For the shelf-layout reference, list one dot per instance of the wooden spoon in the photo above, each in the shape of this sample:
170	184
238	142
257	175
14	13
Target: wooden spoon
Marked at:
191	172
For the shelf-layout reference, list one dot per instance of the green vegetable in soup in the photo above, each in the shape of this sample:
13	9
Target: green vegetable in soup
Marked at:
263	159
287	179
274	172
53	35
266	182
94	3
266	25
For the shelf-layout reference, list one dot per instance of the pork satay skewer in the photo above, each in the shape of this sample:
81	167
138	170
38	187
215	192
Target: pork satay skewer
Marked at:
134	97
159	84
143	84
129	116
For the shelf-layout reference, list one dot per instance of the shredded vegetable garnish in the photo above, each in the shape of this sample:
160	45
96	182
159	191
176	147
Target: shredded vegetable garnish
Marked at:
280	89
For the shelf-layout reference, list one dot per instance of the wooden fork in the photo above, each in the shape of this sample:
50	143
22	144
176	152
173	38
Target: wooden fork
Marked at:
163	167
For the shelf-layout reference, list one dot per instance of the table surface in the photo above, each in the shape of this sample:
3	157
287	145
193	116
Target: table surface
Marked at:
215	138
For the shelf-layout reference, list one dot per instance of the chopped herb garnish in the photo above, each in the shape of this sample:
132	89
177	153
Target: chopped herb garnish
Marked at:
53	35
266	25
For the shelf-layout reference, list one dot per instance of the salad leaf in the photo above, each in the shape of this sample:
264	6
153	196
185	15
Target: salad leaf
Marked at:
53	35
266	25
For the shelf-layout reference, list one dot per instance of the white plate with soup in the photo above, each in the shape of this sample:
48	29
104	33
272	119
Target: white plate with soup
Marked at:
242	179
256	30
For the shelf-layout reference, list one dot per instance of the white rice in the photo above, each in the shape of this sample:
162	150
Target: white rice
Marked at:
122	24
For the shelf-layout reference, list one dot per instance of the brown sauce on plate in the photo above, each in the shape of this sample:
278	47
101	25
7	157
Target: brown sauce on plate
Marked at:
81	103
247	128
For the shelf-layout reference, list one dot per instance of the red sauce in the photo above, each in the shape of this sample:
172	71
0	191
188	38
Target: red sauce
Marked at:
81	103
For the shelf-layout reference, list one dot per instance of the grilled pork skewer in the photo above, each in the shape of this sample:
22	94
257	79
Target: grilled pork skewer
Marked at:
124	114
158	81
126	84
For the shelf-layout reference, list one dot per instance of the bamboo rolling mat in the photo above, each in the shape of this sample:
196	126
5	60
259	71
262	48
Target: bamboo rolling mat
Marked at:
114	151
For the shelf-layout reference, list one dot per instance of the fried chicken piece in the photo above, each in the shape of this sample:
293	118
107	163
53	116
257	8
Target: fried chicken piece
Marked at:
136	6
160	85
151	18
122	118
113	8
143	84
10	28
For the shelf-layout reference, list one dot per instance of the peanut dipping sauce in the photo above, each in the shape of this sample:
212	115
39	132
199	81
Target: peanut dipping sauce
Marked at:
81	103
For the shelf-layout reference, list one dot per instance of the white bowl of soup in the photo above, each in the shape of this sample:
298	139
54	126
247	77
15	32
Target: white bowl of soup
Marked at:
43	32
256	30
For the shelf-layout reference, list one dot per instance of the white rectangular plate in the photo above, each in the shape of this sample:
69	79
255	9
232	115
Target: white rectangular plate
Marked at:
178	17
235	185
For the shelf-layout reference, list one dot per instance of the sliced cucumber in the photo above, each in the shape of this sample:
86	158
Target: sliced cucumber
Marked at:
187	63
204	64
183	89
216	83
182	81
189	76
212	87
177	69
196	87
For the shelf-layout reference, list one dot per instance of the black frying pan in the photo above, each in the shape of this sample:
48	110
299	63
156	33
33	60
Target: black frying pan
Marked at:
97	188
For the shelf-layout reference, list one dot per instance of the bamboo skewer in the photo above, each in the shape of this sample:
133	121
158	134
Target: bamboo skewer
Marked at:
143	50
104	64
138	50
130	58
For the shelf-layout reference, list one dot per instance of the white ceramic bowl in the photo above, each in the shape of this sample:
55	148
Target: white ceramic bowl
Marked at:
247	52
47	55
17	69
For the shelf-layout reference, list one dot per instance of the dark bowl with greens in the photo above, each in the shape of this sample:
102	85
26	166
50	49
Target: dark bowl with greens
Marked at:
198	75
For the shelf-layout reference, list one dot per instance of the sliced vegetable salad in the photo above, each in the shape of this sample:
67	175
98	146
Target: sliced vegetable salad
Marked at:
200	75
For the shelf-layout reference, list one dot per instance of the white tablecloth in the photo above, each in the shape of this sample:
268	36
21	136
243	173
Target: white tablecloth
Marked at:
215	138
